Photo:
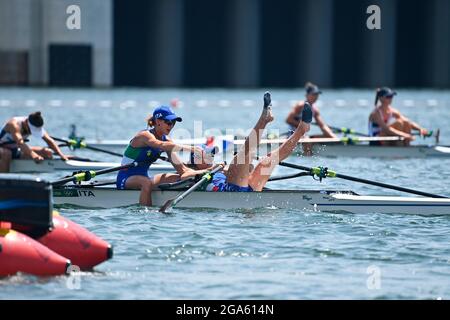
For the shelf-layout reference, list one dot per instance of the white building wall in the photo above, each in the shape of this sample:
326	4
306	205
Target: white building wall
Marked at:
15	25
32	25
96	30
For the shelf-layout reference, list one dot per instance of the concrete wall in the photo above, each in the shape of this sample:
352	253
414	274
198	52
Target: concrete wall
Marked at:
234	43
96	30
32	25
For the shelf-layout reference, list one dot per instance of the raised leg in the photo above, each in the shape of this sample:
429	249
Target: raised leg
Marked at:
262	172
239	169
400	125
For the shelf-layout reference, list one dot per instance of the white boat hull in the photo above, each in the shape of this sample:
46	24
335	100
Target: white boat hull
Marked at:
53	165
328	201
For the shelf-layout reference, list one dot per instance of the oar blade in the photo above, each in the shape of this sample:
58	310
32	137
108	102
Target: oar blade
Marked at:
167	206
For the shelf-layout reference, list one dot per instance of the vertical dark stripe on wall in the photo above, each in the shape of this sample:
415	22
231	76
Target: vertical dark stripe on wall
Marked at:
130	42
349	25
278	48
412	32
204	52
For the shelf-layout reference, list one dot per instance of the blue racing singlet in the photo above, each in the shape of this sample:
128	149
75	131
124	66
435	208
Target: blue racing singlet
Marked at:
219	184
137	154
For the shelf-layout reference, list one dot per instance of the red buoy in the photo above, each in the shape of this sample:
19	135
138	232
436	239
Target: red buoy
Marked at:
20	253
70	240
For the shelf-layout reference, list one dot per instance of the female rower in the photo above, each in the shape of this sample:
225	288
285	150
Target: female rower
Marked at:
312	95
241	176
386	121
146	147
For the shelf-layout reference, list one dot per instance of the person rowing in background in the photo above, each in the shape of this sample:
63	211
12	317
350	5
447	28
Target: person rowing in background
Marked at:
14	134
146	147
241	175
386	121
312	95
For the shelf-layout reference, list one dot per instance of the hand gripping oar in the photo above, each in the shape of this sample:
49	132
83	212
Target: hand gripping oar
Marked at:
88	175
322	172
173	202
81	144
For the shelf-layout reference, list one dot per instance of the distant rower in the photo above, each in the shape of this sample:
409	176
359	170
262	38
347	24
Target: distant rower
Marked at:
386	121
294	117
12	141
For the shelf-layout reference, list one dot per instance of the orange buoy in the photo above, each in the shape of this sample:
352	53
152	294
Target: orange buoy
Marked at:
20	253
82	247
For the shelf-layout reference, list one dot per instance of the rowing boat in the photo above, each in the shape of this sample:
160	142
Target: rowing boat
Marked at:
314	200
322	147
52	165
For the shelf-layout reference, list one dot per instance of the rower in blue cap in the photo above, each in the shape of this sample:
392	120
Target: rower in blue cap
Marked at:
146	147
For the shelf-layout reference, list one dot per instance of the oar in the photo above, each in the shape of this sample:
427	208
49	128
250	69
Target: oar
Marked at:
321	172
81	144
289	176
88	175
173	202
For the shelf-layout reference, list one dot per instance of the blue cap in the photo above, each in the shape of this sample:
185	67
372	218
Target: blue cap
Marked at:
165	113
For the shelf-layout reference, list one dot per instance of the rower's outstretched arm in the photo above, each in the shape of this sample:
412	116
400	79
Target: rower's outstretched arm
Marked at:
389	130
416	126
167	146
52	144
261	174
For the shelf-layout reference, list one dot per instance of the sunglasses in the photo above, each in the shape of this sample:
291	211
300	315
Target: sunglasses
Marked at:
170	122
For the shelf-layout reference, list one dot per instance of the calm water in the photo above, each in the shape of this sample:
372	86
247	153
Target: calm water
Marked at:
260	254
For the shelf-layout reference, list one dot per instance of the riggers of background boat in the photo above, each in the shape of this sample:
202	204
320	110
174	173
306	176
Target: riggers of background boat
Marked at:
36	240
323	147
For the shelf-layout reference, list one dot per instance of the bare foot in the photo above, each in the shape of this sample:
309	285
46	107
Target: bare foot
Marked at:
266	114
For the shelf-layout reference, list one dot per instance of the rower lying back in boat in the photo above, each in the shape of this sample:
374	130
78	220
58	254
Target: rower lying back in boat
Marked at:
146	148
241	176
